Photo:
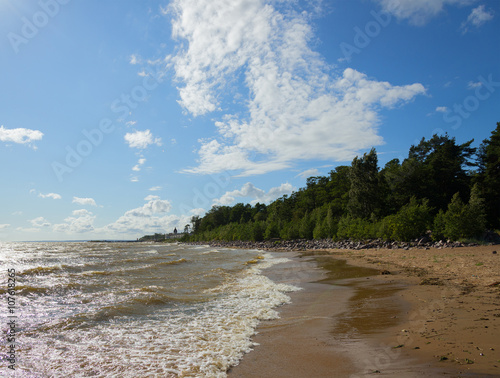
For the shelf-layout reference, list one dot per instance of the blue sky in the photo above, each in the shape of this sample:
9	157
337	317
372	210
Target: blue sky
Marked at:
122	118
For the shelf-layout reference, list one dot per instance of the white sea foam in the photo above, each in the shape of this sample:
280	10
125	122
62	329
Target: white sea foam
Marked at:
196	340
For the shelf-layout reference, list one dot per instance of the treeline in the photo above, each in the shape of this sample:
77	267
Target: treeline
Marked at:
451	189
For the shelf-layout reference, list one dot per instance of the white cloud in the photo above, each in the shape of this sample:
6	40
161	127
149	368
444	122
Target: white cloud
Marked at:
442	109
84	201
477	18
141	139
474	85
150	218
297	110
250	191
139	164
40	222
134	59
154	206
20	135
26	230
4	226
82	221
151	198
418	12
50	195
155	188
308	173
81	213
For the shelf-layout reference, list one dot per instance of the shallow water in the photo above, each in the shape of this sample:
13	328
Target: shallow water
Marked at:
134	309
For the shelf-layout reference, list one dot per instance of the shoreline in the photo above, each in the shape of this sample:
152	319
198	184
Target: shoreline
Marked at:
433	311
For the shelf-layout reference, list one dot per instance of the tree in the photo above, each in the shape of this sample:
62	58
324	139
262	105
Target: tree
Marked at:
475	216
196	222
364	195
489	176
440	169
306	227
272	230
411	221
454	224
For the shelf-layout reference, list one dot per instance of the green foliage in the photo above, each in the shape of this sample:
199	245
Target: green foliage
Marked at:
454	219
476	214
464	221
489	176
438	228
402	201
440	169
355	228
364	191
272	231
410	222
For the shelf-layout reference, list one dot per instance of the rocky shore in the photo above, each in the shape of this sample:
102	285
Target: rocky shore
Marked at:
305	245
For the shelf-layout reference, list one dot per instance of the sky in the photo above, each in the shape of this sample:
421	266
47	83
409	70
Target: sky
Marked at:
125	118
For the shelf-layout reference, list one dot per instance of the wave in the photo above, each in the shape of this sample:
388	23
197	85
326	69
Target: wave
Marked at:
41	270
140	305
173	262
24	290
211	251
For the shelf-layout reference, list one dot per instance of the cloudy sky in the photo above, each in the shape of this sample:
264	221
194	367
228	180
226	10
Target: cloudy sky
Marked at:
121	118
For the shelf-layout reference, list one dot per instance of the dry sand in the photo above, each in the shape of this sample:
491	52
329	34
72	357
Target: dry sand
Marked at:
434	313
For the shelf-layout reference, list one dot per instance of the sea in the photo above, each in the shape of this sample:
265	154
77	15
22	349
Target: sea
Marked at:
92	309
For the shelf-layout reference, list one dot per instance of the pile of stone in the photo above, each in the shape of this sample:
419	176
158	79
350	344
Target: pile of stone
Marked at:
303	245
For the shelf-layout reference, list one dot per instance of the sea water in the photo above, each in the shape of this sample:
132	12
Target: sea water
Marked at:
132	309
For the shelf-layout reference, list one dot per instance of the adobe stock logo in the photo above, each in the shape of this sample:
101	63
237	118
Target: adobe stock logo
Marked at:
483	91
39	20
363	37
122	106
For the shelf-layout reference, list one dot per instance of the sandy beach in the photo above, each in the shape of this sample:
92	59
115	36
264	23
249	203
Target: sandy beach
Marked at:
392	313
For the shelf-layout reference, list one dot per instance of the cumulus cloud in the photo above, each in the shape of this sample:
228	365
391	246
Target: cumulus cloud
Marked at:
81	221
152	217
477	18
84	201
418	12
294	100
141	139
4	226
258	195
134	59
20	135
139	165
50	195
40	222
155	188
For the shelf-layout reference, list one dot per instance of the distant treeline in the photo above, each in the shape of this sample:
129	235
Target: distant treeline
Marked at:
451	189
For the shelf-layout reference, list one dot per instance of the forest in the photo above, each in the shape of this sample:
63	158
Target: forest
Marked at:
445	190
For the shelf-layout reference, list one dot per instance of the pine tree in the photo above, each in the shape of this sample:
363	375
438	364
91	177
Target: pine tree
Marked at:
364	194
475	216
454	219
489	176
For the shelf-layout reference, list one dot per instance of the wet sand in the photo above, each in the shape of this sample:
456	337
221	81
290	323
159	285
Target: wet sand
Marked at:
351	321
